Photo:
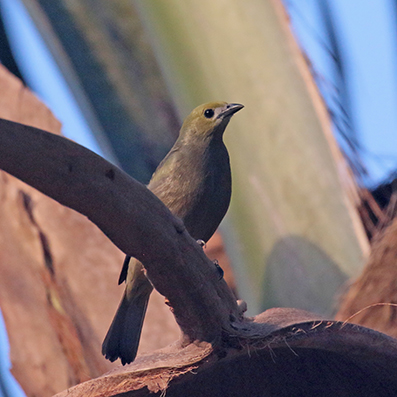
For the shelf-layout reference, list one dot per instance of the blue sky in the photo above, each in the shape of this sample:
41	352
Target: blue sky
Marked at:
367	32
10	385
367	35
40	71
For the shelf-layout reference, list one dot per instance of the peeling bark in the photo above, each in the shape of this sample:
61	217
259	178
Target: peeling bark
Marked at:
302	356
58	276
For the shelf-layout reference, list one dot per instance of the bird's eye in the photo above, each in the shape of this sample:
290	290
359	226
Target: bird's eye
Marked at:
209	113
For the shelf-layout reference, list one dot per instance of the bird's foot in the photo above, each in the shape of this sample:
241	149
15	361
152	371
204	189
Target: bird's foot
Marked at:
201	243
219	269
167	302
242	306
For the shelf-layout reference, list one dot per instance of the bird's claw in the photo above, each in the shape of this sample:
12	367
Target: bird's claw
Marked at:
242	306
201	243
219	269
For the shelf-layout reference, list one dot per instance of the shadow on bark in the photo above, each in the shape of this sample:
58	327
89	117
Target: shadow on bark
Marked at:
279	352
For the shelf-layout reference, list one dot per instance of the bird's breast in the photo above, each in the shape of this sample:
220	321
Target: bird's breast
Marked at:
197	187
209	194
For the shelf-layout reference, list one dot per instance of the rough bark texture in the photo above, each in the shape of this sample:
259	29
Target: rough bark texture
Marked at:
291	354
221	352
376	285
58	276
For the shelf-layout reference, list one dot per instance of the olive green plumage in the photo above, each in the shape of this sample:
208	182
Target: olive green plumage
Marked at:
194	182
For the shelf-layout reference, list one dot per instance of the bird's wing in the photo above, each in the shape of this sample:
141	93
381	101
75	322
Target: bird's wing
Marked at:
164	169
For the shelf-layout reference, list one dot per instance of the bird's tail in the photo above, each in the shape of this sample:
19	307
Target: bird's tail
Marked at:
123	336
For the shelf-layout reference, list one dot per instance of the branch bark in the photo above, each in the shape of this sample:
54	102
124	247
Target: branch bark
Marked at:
292	353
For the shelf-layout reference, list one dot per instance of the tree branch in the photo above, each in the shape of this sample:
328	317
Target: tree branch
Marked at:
294	349
132	217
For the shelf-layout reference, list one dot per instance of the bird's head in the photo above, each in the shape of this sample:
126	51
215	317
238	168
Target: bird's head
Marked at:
209	119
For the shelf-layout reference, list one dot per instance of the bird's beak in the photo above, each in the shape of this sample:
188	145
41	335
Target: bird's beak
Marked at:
230	109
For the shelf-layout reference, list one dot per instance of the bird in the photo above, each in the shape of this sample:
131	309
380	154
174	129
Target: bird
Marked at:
194	182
